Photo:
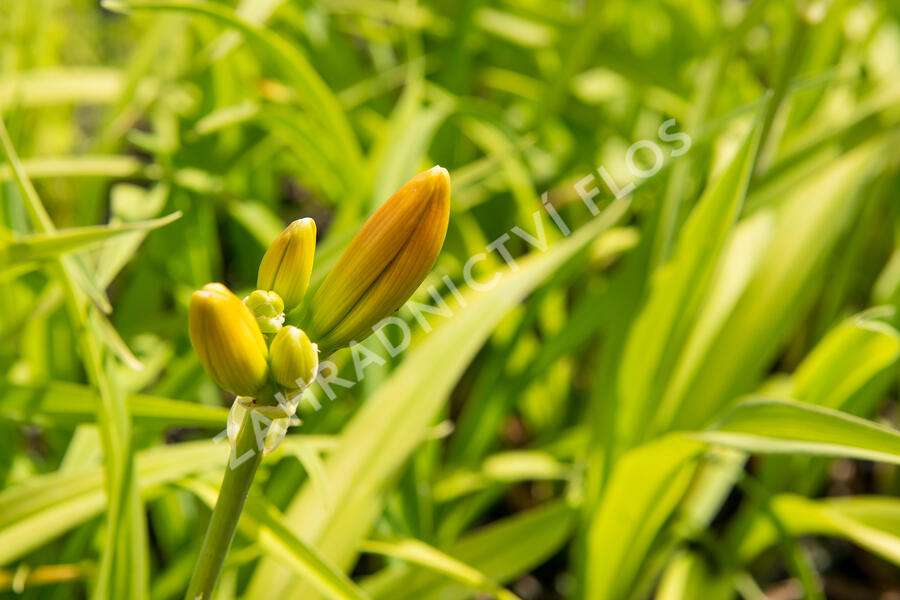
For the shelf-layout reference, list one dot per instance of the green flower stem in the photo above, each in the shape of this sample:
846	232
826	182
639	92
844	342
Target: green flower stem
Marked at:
232	496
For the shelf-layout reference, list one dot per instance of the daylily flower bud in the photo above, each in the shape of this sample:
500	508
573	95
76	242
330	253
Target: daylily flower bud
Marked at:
228	341
268	308
287	264
384	264
295	359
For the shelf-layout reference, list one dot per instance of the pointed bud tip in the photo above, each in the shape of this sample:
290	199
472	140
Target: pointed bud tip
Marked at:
437	177
287	264
303	224
440	182
439	171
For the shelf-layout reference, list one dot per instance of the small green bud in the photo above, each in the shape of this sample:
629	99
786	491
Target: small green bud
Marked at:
295	359
228	341
287	264
268	308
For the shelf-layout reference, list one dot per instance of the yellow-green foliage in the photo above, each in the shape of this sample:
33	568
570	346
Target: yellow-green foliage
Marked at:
655	355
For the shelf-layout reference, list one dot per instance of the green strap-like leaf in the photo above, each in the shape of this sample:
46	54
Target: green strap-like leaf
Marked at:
689	575
63	404
773	426
678	288
644	489
46	506
871	522
44	246
422	554
125	549
82	165
742	327
501	551
312	90
845	361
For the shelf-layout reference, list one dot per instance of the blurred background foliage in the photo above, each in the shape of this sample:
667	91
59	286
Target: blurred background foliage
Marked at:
535	439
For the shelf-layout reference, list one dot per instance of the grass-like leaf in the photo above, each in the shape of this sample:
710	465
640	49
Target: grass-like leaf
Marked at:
774	426
870	522
44	246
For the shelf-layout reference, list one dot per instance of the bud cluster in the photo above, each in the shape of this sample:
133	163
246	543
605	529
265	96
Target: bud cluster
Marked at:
246	347
228	337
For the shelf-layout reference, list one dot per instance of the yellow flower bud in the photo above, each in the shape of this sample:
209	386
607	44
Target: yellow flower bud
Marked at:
295	359
287	264
384	264
268	308
228	341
